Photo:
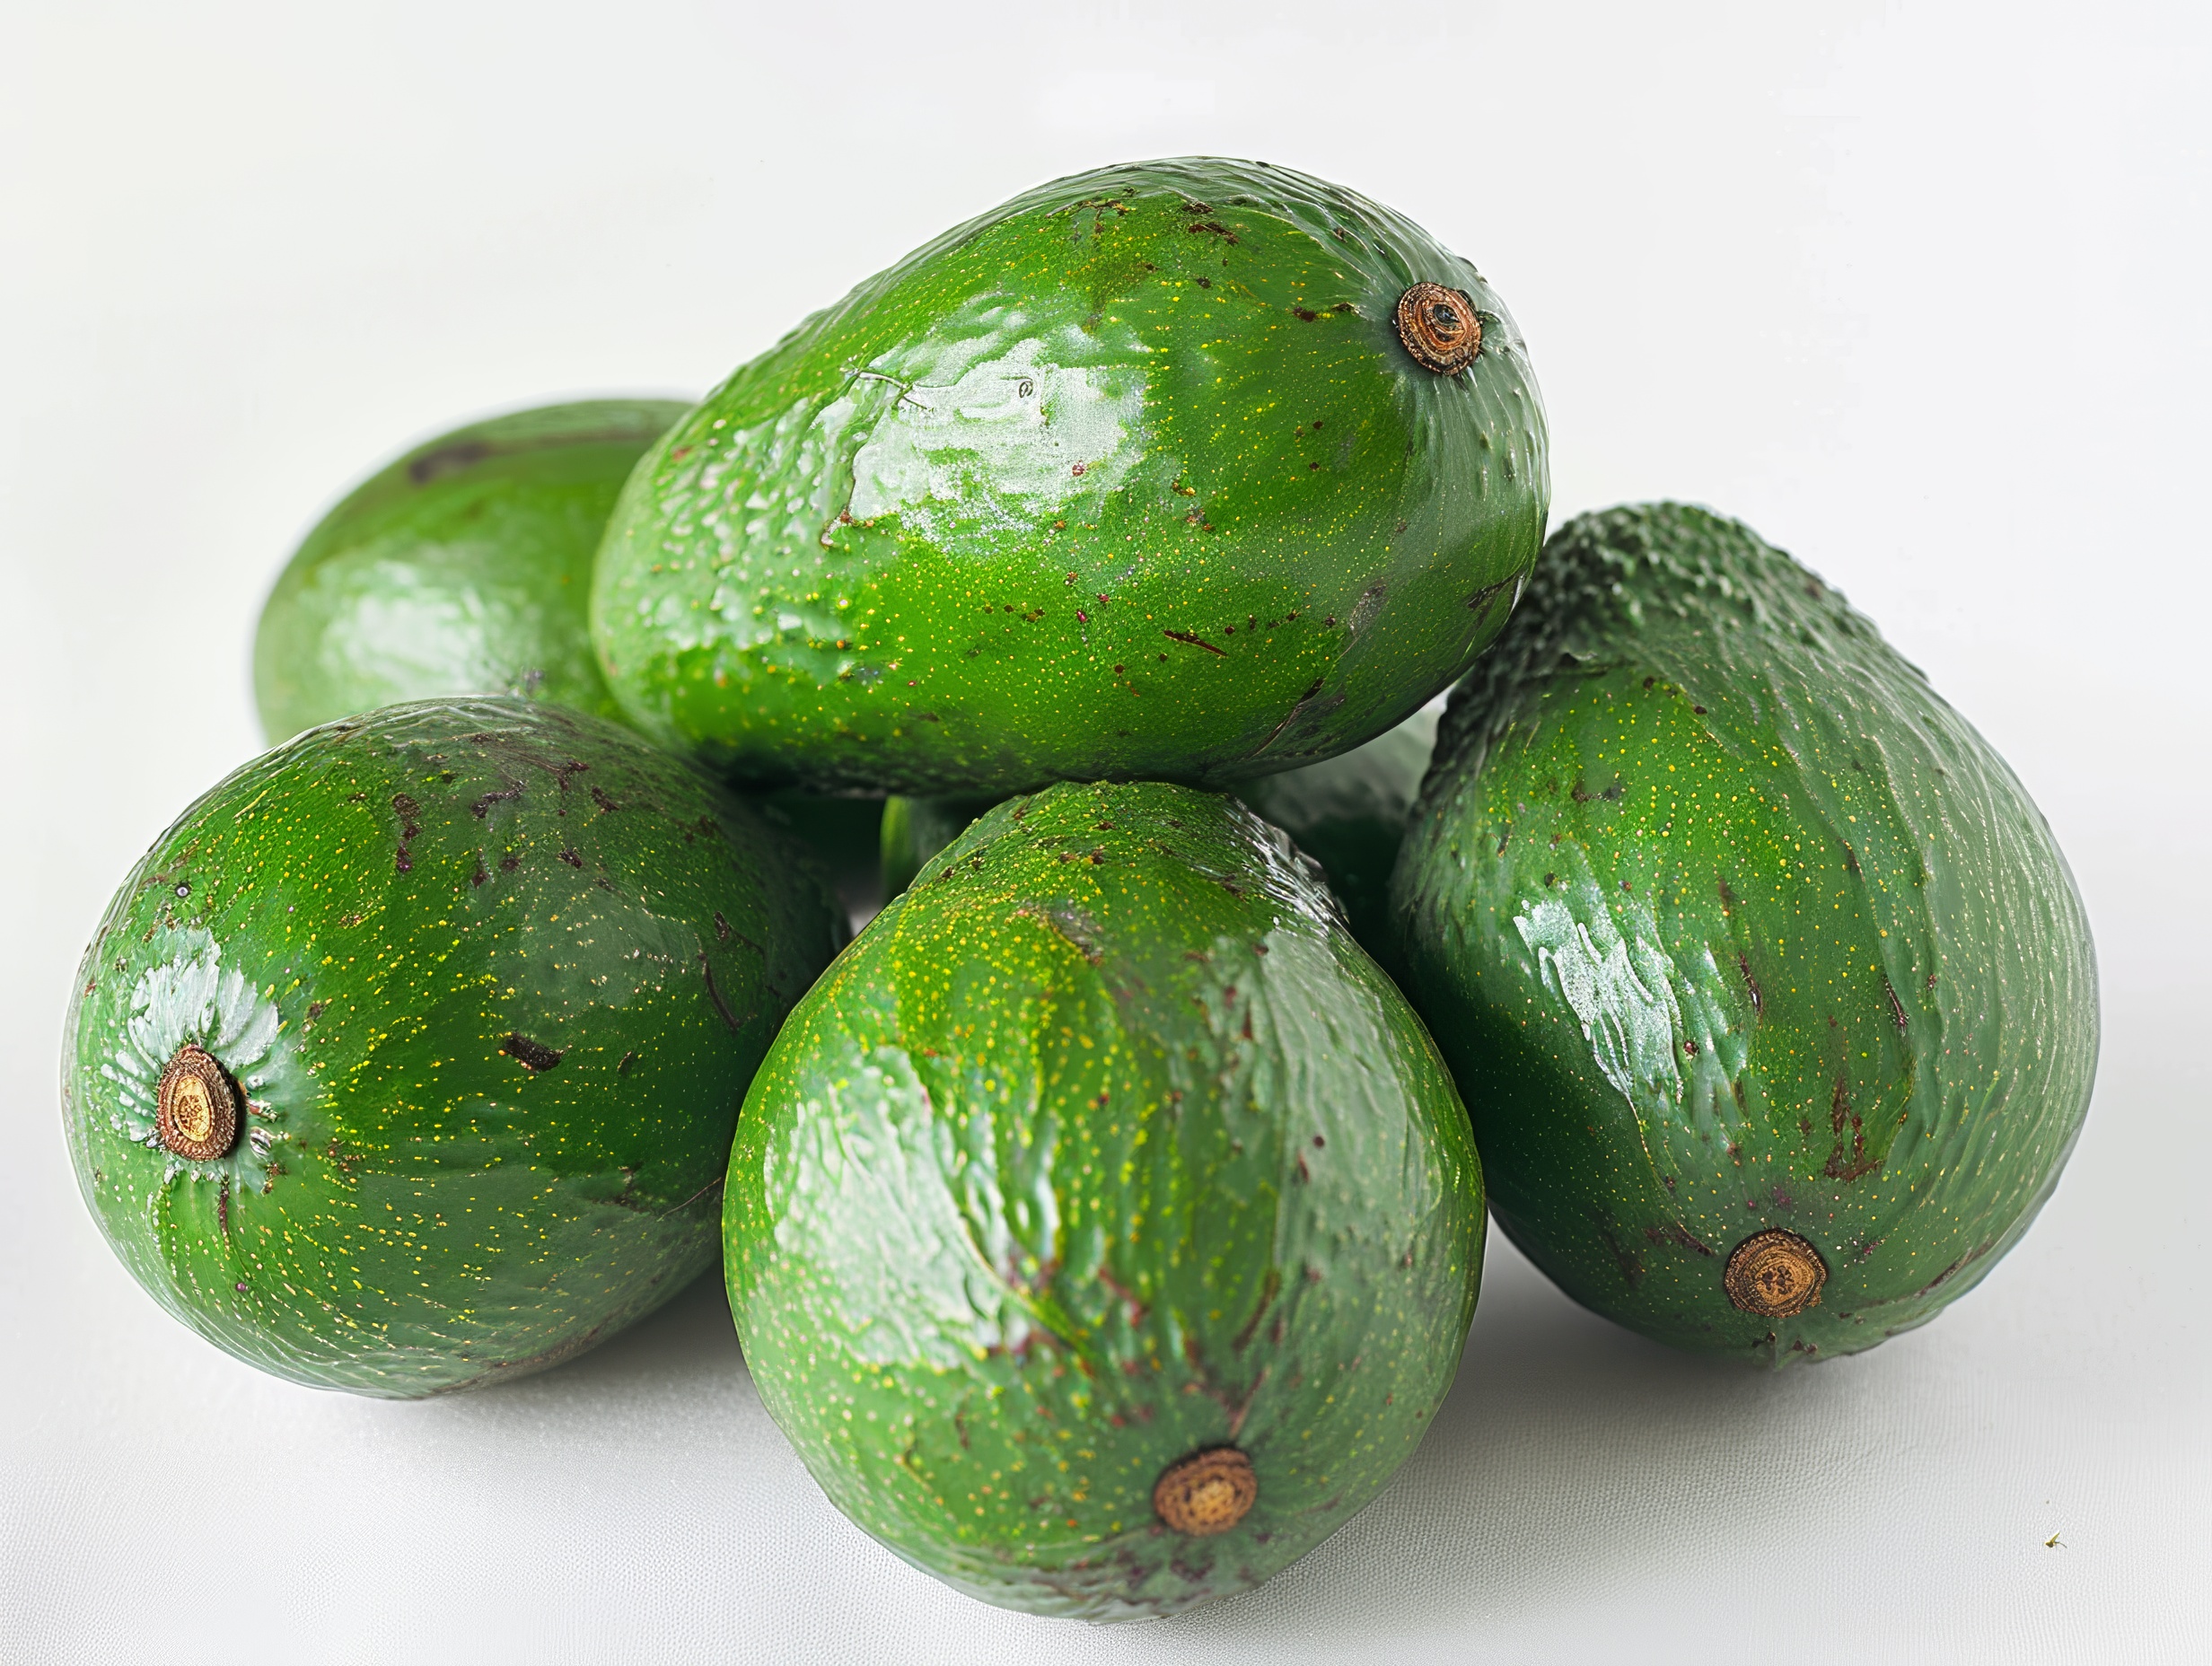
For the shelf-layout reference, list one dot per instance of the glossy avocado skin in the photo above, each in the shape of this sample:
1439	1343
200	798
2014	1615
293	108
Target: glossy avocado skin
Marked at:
1102	1144
1130	478
1348	812
1726	921
465	568
492	977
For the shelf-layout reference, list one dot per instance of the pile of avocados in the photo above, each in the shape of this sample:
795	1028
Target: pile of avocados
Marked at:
1103	1222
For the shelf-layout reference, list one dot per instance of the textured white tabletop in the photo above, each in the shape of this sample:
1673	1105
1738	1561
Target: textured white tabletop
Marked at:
1917	290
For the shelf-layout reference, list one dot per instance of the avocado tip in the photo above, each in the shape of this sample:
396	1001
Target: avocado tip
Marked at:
196	1109
1208	1492
1440	327
1775	1273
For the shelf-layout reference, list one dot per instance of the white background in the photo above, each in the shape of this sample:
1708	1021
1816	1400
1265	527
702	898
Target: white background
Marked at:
1920	291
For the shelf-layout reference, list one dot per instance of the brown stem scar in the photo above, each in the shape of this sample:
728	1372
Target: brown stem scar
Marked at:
1440	327
1775	1273
1206	1493
196	1109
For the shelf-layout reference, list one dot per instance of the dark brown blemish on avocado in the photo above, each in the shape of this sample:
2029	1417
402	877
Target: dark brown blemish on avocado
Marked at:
1480	602
535	1056
571	858
713	994
482	807
1269	1288
1897	1007
1196	642
404	862
599	797
1297	706
1860	1164
622	1066
1743	965
1675	1232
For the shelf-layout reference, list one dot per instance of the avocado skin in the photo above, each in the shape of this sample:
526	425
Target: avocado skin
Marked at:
465	568
1725	921
915	829
1130	478
410	1208
1348	812
1101	1144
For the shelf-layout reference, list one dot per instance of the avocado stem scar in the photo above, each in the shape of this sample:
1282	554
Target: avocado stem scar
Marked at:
1206	1493
1440	327
196	1109
1775	1273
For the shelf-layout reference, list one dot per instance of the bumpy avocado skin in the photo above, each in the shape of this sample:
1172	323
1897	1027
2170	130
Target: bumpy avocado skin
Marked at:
1726	921
465	568
1102	1144
1130	478
1348	813
384	931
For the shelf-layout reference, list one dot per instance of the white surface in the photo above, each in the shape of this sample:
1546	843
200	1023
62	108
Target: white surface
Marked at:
1916	290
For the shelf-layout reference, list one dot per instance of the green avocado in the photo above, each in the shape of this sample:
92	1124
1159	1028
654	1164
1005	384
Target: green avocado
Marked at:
465	568
1104	1229
1190	471
915	829
1348	813
1767	986
409	1058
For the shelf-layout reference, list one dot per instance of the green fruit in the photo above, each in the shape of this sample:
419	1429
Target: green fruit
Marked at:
1136	476
408	1060
1104	1229
915	829
1348	813
1767	986
463	568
